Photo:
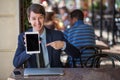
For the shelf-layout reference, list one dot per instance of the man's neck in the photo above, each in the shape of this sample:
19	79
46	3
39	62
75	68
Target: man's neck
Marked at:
40	32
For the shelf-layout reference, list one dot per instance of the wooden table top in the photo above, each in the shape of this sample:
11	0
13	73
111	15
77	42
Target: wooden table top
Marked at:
76	74
102	45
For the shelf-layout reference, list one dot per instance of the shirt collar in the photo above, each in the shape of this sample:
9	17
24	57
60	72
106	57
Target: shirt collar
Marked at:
79	22
43	33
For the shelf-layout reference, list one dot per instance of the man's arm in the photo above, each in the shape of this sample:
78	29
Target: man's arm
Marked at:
20	54
63	43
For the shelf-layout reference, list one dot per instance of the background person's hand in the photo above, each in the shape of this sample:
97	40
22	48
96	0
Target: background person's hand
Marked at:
56	44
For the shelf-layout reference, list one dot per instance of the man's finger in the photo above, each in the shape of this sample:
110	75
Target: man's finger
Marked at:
49	44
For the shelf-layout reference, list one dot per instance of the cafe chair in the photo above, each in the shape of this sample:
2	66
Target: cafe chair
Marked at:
67	60
97	59
72	63
87	51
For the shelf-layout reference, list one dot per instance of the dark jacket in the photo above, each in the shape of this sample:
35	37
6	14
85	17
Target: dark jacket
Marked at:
54	55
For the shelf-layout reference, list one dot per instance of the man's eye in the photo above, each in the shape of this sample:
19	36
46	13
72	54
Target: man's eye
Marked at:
33	18
41	17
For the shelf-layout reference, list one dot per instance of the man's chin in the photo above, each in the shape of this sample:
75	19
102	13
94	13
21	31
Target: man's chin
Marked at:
40	29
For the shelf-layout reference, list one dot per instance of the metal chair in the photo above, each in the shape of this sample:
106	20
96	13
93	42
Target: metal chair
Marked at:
96	60
87	51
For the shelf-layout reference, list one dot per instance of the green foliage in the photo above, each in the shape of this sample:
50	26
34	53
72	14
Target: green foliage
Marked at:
118	3
97	6
26	4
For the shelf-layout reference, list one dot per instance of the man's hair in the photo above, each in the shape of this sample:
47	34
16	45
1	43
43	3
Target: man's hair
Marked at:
77	14
36	8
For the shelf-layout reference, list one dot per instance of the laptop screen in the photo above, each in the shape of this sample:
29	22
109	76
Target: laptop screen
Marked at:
43	71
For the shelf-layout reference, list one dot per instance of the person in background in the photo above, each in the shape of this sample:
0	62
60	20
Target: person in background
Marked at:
79	34
53	42
64	15
51	21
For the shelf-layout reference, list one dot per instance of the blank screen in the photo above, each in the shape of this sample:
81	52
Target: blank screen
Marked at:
32	42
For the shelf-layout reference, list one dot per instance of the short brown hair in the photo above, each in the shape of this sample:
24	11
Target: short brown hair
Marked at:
36	8
77	13
49	16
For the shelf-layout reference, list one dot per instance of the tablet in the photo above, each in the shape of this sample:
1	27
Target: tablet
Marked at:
32	42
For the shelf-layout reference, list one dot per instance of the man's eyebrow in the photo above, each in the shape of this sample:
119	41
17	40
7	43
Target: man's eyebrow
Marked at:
42	14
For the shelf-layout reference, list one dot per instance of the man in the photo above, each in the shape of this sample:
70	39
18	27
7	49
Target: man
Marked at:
53	42
79	34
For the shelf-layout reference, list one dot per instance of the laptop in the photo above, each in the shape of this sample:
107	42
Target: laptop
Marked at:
43	71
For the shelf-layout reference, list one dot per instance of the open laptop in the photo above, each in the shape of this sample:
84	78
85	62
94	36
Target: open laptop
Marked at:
43	71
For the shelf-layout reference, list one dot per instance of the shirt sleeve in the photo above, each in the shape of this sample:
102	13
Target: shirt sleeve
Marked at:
64	46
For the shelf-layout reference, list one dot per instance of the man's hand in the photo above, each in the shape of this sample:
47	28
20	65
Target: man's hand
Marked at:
24	40
56	44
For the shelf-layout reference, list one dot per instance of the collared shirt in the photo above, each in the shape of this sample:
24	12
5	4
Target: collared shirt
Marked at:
44	47
79	35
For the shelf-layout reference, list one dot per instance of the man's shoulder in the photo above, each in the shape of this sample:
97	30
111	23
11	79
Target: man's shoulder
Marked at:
85	25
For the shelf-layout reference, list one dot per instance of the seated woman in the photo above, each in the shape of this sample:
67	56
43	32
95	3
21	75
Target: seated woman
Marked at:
52	22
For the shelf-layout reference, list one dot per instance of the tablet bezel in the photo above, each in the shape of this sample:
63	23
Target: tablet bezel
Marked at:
31	52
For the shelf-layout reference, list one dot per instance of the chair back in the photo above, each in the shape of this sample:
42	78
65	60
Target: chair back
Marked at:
97	59
87	51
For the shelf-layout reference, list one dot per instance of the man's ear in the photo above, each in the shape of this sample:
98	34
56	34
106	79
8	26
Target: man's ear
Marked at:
74	19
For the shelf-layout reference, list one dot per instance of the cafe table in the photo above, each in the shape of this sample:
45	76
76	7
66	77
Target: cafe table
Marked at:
102	45
75	74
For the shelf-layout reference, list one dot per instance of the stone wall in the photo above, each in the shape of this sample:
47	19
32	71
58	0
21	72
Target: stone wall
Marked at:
9	30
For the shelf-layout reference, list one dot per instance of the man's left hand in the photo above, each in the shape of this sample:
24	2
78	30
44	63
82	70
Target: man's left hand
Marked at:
56	44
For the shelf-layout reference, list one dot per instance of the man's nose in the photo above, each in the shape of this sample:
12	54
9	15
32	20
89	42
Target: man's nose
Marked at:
37	21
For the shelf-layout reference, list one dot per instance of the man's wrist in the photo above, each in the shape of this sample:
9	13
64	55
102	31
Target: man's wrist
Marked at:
64	47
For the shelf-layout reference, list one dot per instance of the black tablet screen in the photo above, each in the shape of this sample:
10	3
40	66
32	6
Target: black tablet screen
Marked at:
32	42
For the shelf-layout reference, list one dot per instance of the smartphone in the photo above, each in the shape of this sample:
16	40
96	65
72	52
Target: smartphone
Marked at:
32	42
17	72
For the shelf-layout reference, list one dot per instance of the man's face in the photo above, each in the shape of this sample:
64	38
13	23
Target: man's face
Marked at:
37	21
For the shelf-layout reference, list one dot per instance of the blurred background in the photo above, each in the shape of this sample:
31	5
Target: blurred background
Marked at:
104	15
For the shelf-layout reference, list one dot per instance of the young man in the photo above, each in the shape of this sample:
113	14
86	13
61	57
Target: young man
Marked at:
53	42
